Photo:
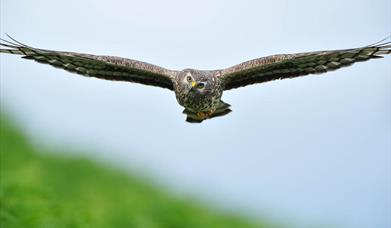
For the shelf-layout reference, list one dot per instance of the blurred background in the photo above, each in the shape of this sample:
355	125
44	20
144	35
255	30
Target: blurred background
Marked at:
304	152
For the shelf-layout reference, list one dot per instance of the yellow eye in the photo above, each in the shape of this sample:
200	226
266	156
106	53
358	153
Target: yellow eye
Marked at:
200	85
189	79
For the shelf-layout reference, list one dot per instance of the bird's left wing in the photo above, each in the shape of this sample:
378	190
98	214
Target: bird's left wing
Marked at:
104	67
296	65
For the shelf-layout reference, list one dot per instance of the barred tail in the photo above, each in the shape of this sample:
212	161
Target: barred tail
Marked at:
221	110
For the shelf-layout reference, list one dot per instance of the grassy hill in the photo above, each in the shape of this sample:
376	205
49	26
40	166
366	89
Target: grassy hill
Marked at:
44	190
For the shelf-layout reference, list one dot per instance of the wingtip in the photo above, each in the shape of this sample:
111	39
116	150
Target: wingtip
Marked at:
11	51
8	43
17	43
381	42
11	46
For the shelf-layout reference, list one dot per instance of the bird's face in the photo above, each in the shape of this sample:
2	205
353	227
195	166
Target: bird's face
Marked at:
195	83
197	90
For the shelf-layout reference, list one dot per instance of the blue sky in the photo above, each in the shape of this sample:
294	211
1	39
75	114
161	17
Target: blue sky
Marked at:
312	150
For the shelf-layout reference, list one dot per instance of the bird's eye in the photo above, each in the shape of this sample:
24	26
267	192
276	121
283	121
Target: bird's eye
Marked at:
189	79
200	85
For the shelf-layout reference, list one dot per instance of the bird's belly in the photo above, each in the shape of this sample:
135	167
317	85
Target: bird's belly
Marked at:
198	104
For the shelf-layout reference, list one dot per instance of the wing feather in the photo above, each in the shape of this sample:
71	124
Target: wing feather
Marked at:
103	67
295	65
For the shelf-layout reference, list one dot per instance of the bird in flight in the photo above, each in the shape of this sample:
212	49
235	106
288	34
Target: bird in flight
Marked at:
199	91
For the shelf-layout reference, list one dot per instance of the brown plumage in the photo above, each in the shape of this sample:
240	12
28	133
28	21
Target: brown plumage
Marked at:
199	92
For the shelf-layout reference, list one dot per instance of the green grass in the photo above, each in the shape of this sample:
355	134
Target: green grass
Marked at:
44	190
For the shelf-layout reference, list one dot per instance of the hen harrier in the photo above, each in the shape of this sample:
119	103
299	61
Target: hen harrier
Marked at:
199	91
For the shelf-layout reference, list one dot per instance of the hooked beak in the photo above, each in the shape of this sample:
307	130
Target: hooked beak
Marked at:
193	84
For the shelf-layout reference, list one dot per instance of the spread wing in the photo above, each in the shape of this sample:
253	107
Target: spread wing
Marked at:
295	65
104	67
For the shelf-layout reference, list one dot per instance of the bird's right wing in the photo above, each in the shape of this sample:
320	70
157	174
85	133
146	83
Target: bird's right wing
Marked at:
104	67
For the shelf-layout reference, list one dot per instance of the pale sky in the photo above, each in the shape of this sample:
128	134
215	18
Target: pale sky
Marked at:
312	150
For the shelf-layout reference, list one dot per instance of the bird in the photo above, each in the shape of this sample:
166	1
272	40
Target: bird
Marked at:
199	91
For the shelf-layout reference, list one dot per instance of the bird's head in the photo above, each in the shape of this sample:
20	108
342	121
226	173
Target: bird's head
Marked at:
195	82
